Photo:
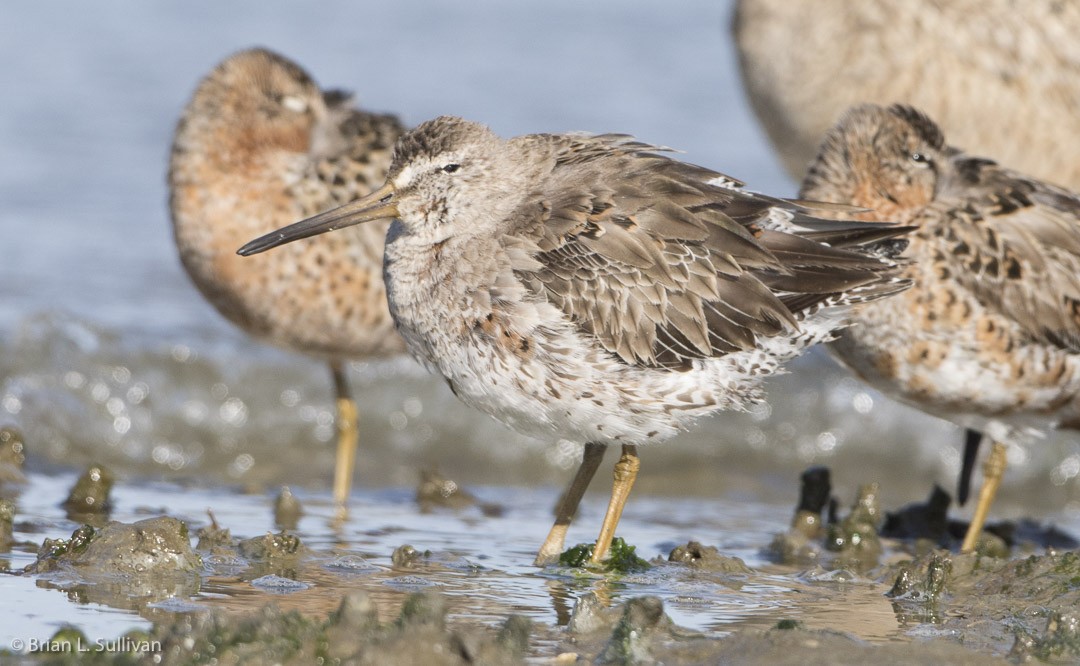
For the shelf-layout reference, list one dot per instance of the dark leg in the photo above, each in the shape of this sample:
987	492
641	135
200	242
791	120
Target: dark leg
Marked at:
972	439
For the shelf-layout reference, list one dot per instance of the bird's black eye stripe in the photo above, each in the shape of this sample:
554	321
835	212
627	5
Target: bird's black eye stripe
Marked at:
451	168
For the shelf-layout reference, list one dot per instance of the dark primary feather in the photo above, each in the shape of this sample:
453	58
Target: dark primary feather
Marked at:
664	268
1015	243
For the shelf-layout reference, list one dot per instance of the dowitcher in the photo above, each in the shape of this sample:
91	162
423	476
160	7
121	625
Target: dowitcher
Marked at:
989	335
592	288
260	145
1001	77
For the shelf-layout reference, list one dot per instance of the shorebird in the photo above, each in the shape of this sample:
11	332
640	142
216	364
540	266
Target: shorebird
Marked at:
592	288
1000	77
260	145
989	335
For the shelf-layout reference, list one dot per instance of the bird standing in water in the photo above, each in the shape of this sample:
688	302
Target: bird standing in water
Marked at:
593	289
1001	78
989	334
259	145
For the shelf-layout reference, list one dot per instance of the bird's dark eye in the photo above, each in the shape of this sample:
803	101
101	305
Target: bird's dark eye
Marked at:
920	159
451	168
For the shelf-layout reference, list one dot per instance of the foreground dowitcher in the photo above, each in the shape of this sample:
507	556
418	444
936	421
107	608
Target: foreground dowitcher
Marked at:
591	288
989	335
1001	77
259	145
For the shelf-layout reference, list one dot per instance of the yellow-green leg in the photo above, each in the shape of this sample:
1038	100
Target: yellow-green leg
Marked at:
993	470
626	471
568	505
348	436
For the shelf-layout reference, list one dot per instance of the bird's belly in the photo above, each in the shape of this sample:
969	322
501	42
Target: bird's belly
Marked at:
565	387
958	377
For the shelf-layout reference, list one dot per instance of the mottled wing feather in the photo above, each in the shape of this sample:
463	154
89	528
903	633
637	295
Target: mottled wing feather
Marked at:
663	267
1015	243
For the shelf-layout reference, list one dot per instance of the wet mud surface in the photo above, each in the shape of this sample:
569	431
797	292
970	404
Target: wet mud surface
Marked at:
412	578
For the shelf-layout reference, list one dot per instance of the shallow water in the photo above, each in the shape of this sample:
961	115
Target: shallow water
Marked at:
108	354
482	563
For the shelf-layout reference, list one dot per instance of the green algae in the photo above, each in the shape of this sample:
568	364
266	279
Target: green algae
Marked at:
622	558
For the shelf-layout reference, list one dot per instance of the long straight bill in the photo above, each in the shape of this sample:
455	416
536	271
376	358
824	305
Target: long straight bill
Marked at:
379	205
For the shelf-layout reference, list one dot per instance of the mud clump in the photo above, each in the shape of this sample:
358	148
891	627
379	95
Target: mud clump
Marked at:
215	538
961	593
927	583
405	556
801	543
636	632
643	619
792	645
437	491
855	538
920	591
352	634
12	457
850	543
408	557
7	525
287	510
271	547
707	558
639	632
155	546
89	500
277	555
1060	640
